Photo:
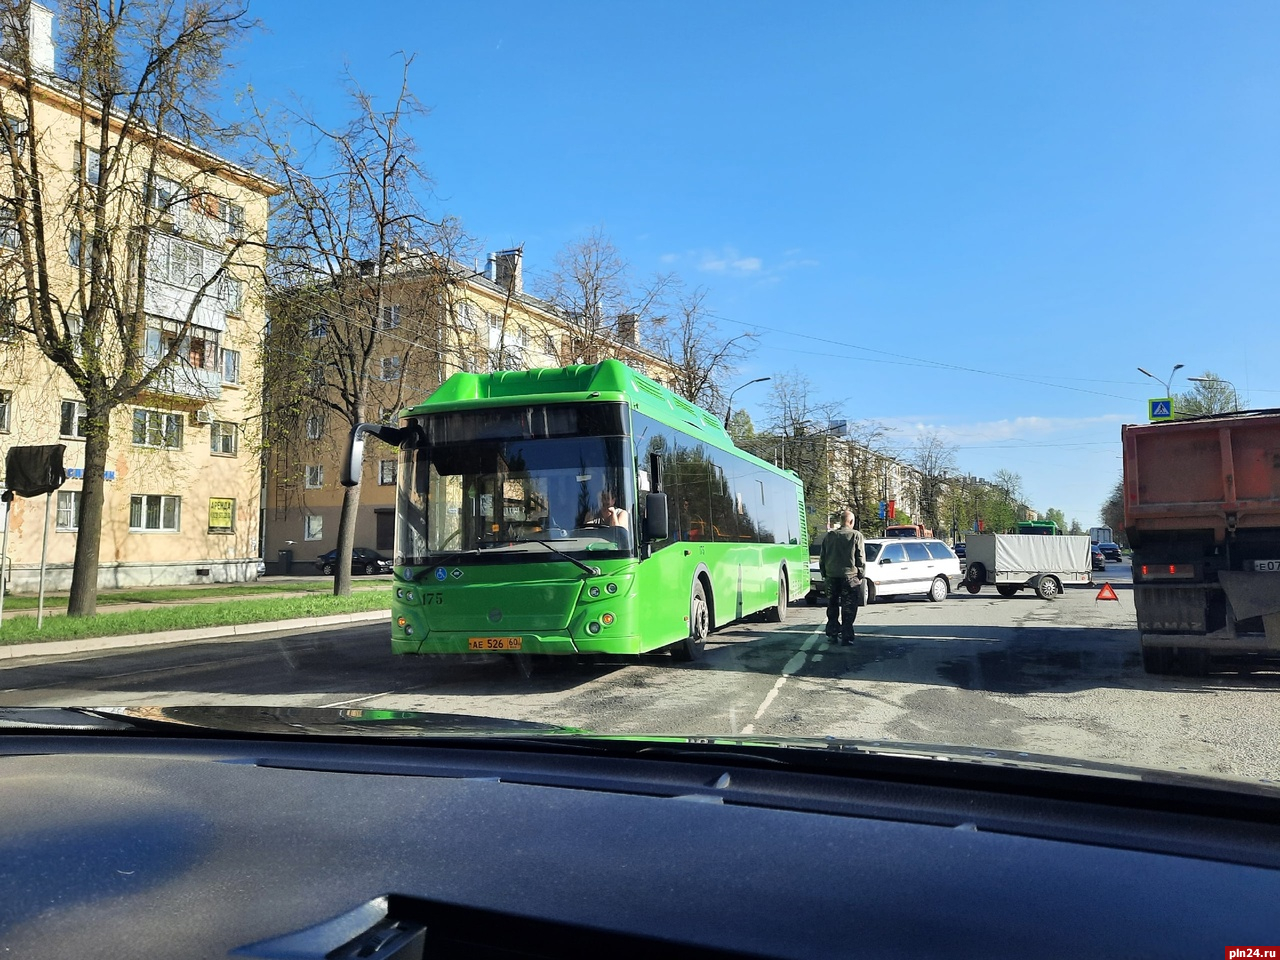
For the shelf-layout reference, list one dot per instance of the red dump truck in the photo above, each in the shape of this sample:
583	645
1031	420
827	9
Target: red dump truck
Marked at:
1202	511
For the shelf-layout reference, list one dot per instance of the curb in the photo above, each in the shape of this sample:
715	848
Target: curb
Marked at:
246	630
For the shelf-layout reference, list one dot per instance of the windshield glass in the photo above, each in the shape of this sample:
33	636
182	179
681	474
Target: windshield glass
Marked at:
464	491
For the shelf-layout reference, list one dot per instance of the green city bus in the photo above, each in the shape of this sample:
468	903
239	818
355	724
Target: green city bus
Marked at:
1043	528
579	510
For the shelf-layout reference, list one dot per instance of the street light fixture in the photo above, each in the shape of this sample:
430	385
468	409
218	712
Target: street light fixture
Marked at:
1168	384
1234	392
729	406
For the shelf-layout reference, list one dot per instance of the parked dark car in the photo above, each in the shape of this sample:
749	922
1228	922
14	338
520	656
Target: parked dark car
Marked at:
1111	551
363	560
1099	559
959	549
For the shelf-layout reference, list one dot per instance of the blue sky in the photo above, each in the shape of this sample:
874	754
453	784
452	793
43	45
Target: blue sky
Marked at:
970	217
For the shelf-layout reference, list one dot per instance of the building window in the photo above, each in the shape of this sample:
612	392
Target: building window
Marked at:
315	476
232	214
198	347
318	328
390	317
88	169
222	515
389	368
75	333
230	366
74	419
8	229
164	193
314	529
224	438
68	517
386	472
80	252
153	512
233	294
315	426
8	320
6	410
182	263
155	428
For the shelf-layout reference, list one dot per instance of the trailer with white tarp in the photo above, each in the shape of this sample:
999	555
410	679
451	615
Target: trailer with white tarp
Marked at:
1012	561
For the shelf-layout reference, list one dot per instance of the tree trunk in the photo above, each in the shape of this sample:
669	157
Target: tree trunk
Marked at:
83	601
346	540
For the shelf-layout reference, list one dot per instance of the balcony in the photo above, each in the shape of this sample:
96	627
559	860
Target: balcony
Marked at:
181	379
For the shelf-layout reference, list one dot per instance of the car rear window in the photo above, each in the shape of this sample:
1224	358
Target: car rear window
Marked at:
939	550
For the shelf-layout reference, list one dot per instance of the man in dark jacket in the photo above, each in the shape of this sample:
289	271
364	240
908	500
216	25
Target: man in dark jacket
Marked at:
843	564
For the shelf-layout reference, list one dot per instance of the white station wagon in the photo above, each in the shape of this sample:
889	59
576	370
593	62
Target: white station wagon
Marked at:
898	566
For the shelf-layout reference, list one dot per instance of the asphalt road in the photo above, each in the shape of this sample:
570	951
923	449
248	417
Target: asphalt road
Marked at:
1061	677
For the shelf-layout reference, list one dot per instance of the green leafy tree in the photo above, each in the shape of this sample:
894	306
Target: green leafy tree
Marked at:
1209	394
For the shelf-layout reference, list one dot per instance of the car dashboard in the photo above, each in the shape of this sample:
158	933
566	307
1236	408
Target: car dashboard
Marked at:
208	845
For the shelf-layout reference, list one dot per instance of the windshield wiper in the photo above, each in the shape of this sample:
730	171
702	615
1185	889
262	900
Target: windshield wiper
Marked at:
590	571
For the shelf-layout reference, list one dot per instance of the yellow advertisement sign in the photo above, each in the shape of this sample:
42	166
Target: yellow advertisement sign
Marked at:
222	515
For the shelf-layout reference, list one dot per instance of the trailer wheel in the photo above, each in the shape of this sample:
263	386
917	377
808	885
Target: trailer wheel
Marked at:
1048	588
1007	589
975	574
1157	660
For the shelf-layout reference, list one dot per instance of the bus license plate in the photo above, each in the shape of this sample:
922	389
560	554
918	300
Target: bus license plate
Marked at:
494	643
1267	566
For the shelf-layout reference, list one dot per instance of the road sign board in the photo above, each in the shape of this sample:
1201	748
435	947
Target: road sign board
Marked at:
1160	408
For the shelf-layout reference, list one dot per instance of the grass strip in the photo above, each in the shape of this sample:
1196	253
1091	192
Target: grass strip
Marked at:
170	594
188	617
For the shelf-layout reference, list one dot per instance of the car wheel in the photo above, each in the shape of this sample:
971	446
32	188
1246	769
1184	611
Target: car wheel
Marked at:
778	614
939	589
871	592
328	570
695	644
1007	589
1048	588
370	568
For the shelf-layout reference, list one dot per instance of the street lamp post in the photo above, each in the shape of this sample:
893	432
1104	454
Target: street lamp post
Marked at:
1234	392
1168	384
729	406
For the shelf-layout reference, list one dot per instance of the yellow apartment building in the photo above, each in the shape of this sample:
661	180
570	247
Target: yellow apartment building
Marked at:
182	501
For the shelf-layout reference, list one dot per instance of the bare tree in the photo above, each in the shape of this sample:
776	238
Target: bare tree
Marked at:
134	105
1113	513
590	287
698	356
934	460
356	280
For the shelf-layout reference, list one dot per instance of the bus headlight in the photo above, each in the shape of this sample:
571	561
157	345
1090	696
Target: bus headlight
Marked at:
606	619
593	592
611	588
593	628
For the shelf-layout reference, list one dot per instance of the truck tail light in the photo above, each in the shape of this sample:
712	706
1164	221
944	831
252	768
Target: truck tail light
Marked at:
1168	571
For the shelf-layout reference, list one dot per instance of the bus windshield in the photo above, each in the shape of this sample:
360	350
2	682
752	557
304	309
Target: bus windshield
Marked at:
474	497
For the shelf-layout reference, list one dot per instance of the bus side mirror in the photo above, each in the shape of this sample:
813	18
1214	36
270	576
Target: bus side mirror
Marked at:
655	516
353	456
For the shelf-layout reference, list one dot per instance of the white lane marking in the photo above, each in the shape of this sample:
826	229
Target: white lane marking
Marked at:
748	730
817	658
343	703
791	667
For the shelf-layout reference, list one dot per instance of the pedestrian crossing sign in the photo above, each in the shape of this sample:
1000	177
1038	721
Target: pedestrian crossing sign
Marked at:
1160	409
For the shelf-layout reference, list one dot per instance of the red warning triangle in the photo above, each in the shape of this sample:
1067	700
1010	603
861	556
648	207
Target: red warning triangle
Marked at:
1106	593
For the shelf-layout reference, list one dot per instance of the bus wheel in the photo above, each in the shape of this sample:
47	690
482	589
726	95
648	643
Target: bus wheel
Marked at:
693	646
779	613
